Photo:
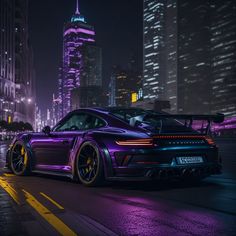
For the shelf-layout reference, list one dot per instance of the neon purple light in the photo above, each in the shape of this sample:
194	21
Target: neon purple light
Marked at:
79	30
54	167
229	123
87	40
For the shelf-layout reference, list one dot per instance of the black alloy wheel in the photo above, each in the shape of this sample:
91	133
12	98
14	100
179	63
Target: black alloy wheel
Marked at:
19	161
89	165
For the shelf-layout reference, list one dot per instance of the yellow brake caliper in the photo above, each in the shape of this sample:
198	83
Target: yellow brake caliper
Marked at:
24	154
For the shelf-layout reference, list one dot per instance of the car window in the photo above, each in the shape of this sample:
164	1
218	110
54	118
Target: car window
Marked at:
80	122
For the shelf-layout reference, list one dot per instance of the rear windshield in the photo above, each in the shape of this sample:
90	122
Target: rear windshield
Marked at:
157	125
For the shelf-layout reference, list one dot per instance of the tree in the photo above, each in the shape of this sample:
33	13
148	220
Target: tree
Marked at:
28	126
3	125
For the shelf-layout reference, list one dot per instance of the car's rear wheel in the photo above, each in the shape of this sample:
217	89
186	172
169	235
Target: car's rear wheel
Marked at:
89	165
19	161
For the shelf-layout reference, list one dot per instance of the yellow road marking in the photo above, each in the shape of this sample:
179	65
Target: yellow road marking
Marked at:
62	228
8	175
11	191
52	201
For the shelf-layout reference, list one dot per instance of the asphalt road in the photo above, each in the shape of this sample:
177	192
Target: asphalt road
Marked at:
208	208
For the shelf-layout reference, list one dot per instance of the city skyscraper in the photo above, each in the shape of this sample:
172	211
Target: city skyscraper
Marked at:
154	46
170	92
78	49
7	59
223	56
196	42
194	62
17	77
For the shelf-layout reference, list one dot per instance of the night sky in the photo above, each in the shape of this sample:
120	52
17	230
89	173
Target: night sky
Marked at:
118	26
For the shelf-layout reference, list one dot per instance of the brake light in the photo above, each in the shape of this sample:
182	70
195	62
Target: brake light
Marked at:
136	142
209	140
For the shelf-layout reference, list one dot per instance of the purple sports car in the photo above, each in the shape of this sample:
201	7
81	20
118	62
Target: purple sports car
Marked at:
97	144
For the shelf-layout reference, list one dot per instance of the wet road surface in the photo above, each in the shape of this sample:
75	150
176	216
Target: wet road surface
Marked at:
207	208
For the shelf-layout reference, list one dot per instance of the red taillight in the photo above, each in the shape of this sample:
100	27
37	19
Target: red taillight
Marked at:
136	142
209	140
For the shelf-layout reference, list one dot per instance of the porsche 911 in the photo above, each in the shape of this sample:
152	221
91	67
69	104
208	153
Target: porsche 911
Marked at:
93	145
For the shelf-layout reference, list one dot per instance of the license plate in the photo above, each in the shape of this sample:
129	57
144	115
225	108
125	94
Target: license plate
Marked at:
190	160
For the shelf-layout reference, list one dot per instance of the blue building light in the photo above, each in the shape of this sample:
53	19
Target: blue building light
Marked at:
78	18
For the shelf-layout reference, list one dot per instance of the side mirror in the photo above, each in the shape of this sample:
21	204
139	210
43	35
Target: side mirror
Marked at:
46	130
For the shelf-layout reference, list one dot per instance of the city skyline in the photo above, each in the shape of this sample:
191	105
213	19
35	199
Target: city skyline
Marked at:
116	47
189	49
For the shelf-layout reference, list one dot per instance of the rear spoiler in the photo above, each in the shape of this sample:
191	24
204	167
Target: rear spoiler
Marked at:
188	119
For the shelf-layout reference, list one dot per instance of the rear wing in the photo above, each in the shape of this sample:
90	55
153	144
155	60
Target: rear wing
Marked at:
186	119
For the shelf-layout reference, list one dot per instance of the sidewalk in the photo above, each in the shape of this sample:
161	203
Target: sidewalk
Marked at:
10	219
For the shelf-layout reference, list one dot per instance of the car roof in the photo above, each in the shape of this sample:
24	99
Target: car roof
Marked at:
108	109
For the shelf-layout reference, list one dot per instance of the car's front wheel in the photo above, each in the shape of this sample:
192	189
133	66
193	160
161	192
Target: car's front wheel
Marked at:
89	165
19	160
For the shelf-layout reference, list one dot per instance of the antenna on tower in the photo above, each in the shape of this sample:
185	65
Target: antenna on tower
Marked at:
77	7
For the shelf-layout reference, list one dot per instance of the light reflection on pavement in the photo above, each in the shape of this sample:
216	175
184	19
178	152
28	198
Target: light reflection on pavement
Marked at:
141	208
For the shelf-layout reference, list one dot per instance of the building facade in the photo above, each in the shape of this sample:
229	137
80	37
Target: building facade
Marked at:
194	43
223	56
123	84
193	60
170	92
7	59
17	79
153	51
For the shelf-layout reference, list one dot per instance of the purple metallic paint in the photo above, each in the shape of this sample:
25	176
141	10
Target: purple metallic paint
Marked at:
57	152
79	30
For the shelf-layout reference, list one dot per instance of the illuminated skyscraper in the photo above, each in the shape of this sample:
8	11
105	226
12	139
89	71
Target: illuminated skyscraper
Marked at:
223	54
7	59
170	88
154	46
190	54
194	61
77	34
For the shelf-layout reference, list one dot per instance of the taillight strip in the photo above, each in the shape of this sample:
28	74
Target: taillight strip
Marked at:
136	142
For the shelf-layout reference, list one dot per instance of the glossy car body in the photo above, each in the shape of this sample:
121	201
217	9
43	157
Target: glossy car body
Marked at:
127	148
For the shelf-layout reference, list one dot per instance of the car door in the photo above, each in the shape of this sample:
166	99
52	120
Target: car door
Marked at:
52	152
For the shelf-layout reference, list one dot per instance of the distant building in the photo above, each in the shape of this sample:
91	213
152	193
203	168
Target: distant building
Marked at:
81	59
89	96
194	61
38	120
190	54
17	78
152	104
123	83
7	60
91	74
55	113
171	70
223	56
154	46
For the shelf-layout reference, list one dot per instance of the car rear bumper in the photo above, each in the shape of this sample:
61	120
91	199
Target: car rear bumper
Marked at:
163	163
167	172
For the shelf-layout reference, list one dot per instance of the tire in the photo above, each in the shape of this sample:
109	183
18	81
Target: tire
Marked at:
19	159
89	165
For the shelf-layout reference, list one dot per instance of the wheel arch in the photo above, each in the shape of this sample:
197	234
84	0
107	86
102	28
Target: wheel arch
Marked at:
103	152
24	139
